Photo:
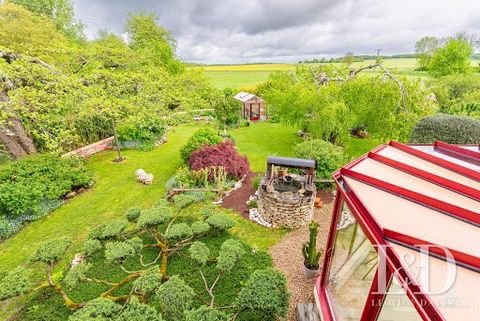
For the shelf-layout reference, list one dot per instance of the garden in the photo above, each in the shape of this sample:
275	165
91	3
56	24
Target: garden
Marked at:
164	223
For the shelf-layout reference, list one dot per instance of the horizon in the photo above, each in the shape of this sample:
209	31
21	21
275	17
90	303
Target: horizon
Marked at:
212	32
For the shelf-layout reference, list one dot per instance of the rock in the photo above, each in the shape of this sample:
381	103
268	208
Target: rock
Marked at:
79	258
143	177
72	194
81	190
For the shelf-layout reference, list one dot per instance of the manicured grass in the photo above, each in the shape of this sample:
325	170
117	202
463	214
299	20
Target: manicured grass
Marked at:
262	139
115	191
356	147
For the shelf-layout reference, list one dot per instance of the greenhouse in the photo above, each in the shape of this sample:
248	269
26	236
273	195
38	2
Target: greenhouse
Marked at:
404	239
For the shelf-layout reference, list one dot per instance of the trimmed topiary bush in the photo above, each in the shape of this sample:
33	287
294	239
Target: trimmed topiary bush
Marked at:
329	157
205	313
183	200
450	129
204	136
222	155
267	291
175	297
220	222
133	214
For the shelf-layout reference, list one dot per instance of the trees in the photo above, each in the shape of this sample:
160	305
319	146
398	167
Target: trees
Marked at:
227	109
145	284
452	58
155	43
424	50
57	94
330	102
59	11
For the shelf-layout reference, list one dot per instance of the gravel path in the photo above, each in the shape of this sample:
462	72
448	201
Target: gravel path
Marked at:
288	258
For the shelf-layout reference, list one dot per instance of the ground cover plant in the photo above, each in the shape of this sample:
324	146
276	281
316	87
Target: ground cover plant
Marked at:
146	267
34	186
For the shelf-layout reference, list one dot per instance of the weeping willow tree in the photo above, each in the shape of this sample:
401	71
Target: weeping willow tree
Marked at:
331	102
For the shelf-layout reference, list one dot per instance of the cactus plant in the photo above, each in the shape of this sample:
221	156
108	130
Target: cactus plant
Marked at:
310	253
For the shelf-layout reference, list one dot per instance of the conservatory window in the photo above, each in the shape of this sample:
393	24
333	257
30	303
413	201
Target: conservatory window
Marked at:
352	268
397	306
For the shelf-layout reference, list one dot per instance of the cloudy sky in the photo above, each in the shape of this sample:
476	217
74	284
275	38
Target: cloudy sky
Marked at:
232	31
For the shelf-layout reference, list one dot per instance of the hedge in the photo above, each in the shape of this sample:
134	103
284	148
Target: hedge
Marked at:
450	129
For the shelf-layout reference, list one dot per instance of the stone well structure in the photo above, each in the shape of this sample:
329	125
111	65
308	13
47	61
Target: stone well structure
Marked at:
287	199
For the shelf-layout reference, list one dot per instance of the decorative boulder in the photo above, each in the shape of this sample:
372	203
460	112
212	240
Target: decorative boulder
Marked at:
143	177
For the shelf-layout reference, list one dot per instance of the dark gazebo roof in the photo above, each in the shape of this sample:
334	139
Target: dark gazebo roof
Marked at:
291	162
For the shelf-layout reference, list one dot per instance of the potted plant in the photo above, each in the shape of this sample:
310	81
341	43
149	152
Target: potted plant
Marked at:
310	253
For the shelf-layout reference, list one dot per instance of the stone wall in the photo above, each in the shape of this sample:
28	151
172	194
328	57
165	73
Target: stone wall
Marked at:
286	209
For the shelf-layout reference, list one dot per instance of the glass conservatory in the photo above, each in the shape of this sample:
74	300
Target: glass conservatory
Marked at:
404	240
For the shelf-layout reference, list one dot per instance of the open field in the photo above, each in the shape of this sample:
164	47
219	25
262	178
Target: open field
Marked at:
241	76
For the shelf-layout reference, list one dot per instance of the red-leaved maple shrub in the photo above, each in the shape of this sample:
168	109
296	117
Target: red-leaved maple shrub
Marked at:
223	154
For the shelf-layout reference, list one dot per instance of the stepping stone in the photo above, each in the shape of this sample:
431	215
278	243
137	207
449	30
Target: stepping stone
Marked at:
307	312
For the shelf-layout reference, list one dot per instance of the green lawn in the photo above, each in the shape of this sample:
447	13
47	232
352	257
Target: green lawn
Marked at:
116	190
262	139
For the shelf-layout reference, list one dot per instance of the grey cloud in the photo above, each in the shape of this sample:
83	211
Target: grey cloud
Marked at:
231	31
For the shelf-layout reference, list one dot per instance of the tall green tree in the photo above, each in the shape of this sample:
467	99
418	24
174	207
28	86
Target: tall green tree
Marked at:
155	43
59	11
424	50
452	58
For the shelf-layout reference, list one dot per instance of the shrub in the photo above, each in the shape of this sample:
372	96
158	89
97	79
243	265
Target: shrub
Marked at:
222	155
118	251
220	222
205	313
200	227
329	157
265	290
175	297
141	130
154	217
230	252
178	231
204	136
199	252
26	183
17	281
91	246
447	128
51	251
108	231
133	214
149	281
107	310
458	94
76	274
183	200
256	182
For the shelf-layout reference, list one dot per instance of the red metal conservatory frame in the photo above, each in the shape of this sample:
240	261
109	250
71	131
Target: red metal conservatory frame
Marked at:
459	160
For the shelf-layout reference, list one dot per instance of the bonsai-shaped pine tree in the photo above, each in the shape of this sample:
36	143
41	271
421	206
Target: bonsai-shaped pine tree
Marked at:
150	286
309	250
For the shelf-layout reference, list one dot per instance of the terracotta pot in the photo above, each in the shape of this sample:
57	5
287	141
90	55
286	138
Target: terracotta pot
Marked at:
318	202
310	274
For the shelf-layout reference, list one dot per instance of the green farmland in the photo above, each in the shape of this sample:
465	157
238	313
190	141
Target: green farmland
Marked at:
248	76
